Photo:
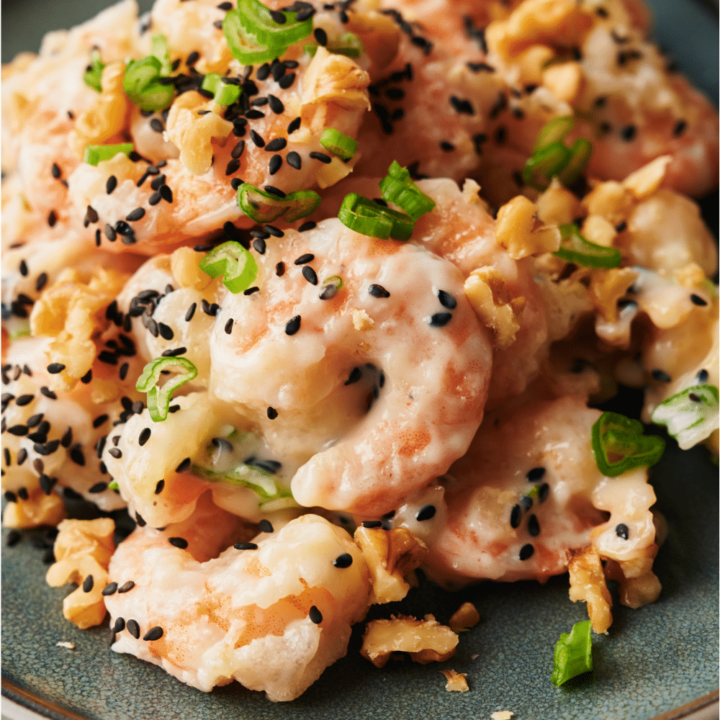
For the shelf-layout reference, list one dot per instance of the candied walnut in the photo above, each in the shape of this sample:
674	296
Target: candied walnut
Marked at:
598	230
520	233
587	583
390	556
361	320
425	640
73	312
105	118
645	181
39	509
558	206
607	287
456	681
464	618
486	290
639	585
532	62
185	267
564	80
380	37
611	200
193	134
83	549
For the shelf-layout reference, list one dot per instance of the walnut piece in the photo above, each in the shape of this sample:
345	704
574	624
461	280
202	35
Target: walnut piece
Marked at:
39	509
564	80
425	640
83	549
587	583
639	585
611	200
185	267
520	233
361	320
390	555
456	681
607	287
464	618
645	181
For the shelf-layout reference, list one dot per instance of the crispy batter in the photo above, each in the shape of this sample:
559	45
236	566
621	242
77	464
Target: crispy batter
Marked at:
425	640
456	681
390	556
520	233
83	548
73	312
486	290
464	618
39	509
587	583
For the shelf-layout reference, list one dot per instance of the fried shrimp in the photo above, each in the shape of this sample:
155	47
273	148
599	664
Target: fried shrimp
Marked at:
272	616
396	351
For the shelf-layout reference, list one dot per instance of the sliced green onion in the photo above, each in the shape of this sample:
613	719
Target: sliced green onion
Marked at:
545	164
159	48
262	483
225	93
573	654
142	86
574	248
113	485
579	158
368	218
93	75
335	280
347	44
555	131
398	188
258	20
96	153
690	416
234	263
619	445
158	399
338	143
263	207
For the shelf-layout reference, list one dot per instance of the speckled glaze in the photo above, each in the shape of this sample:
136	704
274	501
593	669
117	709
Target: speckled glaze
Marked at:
653	661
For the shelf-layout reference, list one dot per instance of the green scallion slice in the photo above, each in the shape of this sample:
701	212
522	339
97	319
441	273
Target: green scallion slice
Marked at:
573	653
93	74
158	399
619	445
347	44
225	93
159	49
258	20
574	248
234	263
580	154
262	483
555	131
263	207
545	164
142	84
113	485
338	143
96	153
690	415
368	218
398	188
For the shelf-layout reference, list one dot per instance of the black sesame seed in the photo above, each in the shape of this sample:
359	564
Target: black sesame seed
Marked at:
98	487
661	376
166	193
680	127
355	375
88	584
343	561
10	496
52	218
55	368
622	531
229	326
292	325
286	81
515	516
276	145
21	456
426	513
129	585
154	199
702	377
245	546
260	246
24	400
274	231
144	436
526	552
184	466
275	164
371	524
310	275
119	623
266	526
697	300
533	525
322	157
535	475
133	628
378	291
192	58
99	420
110	589
304	259
178	542
175	352
232	167
315	615
77	455
165	331
251	290
447	300
154	633
628	133
440	319
257	139
238	150
621	226
446	146
23	268
276	105
320	36
272	413
310	225
190	312
294	125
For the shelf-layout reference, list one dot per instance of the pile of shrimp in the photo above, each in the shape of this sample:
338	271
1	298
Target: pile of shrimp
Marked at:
444	388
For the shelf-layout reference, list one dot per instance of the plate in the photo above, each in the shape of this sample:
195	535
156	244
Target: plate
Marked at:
659	662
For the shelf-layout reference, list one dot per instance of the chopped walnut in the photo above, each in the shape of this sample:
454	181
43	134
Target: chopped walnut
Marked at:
564	80
532	62
587	583
193	134
456	681
425	640
607	287
558	206
645	181
39	509
83	549
598	230
361	320
73	312
486	290
636	588
611	200
185	267
464	618
390	556
105	118
520	233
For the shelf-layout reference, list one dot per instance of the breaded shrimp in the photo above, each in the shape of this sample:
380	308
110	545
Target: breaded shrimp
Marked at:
272	617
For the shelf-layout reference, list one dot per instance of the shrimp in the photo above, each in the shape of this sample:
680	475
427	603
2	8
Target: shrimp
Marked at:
376	389
527	492
272	617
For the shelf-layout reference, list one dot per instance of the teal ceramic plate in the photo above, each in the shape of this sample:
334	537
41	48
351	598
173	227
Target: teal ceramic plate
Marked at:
659	661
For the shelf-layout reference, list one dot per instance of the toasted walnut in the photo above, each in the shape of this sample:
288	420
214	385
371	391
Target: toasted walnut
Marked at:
464	618
73	312
425	640
690	275
390	556
645	181
520	233
639	585
564	80
532	62
611	200
185	267
39	509
558	206
587	583
380	37
486	290
361	320
105	118
332	80
607	287
598	230
193	134
83	549
456	681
